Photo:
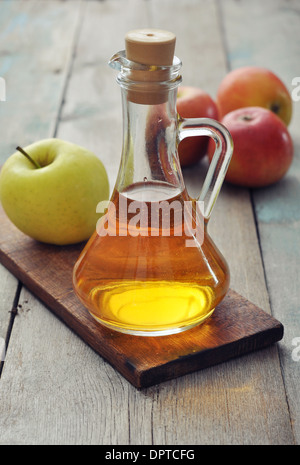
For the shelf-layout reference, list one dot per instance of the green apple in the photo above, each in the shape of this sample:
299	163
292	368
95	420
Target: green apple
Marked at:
52	193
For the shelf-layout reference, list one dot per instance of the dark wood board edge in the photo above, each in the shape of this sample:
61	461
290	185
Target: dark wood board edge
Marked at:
202	360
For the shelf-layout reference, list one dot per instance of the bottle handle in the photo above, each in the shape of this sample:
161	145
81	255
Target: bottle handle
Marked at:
189	127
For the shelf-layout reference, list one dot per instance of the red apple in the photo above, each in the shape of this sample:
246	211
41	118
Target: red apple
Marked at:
193	102
263	148
255	87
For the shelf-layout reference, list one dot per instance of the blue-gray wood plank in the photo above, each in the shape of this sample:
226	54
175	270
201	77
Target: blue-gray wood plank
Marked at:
37	40
267	34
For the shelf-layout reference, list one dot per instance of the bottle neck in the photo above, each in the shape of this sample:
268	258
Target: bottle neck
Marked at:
149	152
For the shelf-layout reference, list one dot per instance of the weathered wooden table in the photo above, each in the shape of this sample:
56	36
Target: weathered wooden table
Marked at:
54	389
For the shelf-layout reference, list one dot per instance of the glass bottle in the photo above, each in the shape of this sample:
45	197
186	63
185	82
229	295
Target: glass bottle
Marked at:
151	267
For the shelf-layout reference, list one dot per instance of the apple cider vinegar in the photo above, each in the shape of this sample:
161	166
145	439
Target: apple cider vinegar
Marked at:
150	268
132	276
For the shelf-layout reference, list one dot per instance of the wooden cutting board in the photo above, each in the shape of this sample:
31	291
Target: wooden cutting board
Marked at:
236	327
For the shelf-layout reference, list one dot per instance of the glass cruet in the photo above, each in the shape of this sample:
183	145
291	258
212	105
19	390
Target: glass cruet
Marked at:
151	268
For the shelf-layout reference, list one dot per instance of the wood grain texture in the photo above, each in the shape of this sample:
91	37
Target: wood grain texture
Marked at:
7	294
36	48
54	389
236	327
276	208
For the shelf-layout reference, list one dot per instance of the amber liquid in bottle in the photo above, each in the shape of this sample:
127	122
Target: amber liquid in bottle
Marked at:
143	279
139	273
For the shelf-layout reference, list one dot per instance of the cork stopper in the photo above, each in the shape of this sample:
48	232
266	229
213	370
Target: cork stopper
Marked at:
155	48
150	46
